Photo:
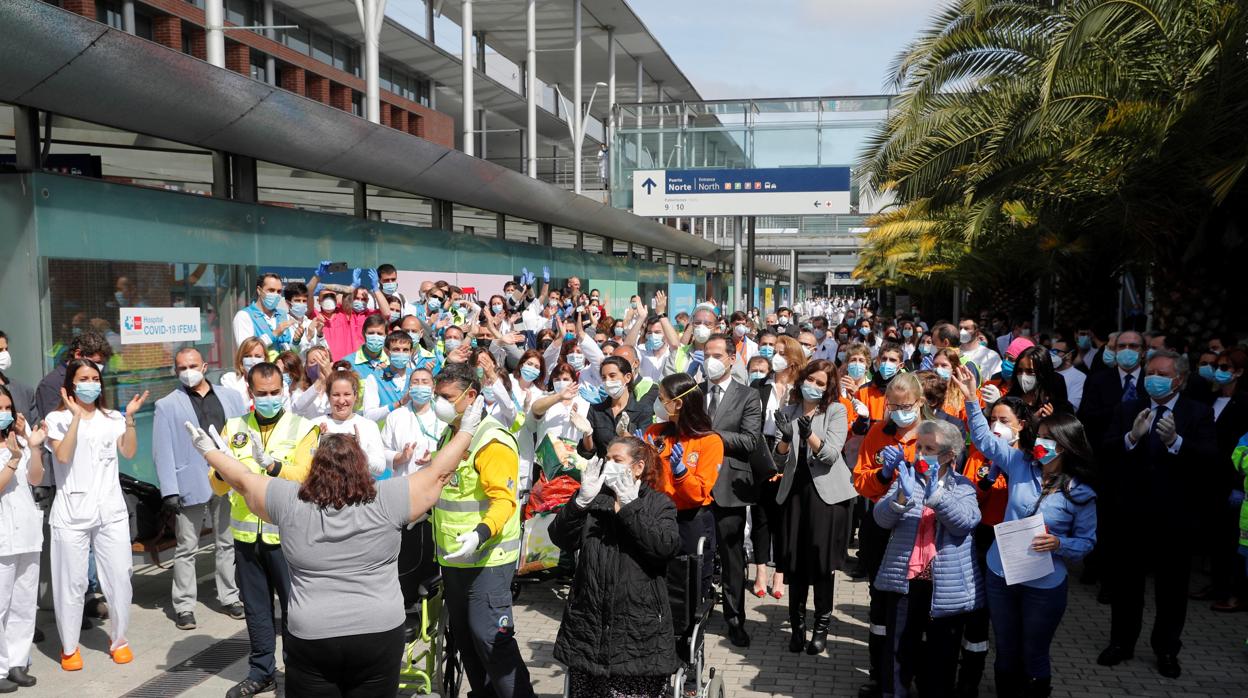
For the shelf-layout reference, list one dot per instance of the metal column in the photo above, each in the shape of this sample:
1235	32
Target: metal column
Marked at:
214	21
127	16
531	88
270	63
738	290
749	262
792	277
609	136
26	137
641	97
465	56
578	117
371	13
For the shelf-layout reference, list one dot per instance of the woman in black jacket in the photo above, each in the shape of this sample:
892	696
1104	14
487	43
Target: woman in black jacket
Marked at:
616	637
620	413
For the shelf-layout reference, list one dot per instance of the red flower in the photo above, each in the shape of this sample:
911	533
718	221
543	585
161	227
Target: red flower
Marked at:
1039	452
920	466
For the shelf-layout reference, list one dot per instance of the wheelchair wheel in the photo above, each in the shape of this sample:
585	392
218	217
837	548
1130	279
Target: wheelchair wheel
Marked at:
715	689
450	671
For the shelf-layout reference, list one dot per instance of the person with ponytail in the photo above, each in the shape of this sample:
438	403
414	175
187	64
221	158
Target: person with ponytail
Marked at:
1053	479
616	636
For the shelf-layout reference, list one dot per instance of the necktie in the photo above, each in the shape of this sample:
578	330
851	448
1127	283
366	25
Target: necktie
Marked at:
1128	388
1154	440
714	399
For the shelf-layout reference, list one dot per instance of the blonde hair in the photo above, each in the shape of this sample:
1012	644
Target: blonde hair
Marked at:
245	349
793	354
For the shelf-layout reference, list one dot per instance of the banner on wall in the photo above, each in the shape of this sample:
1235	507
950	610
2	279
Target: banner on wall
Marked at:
681	298
159	325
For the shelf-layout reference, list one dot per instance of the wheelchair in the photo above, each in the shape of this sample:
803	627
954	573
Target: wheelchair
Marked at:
692	606
430	664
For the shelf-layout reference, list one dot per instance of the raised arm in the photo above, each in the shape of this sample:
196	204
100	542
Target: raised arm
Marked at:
238	476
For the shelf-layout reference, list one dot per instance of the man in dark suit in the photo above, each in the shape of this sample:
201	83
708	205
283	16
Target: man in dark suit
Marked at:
737	416
786	324
1161	450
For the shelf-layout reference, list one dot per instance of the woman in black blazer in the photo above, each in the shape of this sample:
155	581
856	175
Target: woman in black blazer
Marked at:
765	516
618	415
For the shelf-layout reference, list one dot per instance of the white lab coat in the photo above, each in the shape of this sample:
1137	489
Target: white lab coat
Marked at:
405	426
370	439
21	539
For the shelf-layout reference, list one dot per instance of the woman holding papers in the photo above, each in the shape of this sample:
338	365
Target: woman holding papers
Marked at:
1049	481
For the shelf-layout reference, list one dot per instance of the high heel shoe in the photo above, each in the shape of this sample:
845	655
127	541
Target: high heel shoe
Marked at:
778	593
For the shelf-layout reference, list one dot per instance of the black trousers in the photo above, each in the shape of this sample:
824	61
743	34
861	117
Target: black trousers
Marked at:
730	535
765	531
872	540
478	600
1172	571
823	596
355	666
921	650
260	571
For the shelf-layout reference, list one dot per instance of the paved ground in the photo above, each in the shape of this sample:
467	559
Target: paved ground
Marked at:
1214	663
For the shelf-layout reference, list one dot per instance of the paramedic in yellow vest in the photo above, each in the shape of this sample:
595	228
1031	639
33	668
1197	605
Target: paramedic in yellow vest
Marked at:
688	357
477	537
278	443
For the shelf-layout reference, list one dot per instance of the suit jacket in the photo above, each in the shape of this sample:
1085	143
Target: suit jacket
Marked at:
1156	489
179	467
738	419
827	467
1230	426
23	400
1102	394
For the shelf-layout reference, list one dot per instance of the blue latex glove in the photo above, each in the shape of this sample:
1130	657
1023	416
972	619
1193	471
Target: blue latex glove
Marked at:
323	269
546	274
893	458
695	362
677	460
527	277
933	474
373	282
355	277
640	433
905	480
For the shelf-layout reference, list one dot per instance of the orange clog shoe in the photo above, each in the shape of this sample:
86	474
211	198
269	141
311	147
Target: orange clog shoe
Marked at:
122	655
72	662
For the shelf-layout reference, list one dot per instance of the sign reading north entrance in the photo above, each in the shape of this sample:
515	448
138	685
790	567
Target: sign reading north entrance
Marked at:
760	192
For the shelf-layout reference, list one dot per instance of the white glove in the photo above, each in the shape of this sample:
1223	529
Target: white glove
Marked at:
257	451
990	393
1167	430
579	421
591	482
861	409
621	427
1139	429
626	487
471	418
468	543
206	441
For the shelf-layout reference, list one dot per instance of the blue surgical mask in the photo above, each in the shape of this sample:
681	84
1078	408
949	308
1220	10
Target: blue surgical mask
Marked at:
358	306
435	304
452	344
395	317
6	419
268	406
864	330
286	380
390	287
757	375
1206	371
1128	358
271	300
654	341
1148	355
120	297
487	392
399	360
569	336
87	392
907	333
811	392
1110	357
1084	341
903	418
421	394
840	357
932	462
497	308
888	370
856	370
1158	386
1045	450
299	310
576	360
593	394
374	342
530	372
927	349
944	372
618	331
1223	376
767	351
415	338
1007	369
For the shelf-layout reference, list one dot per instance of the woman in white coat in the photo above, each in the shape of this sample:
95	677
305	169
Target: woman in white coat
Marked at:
344	394
21	539
89	511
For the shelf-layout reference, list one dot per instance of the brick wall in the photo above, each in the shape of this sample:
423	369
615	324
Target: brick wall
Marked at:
167	31
199	43
293	79
238	58
318	88
86	8
340	96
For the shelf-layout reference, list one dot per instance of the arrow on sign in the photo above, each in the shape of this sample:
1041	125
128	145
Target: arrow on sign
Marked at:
649	184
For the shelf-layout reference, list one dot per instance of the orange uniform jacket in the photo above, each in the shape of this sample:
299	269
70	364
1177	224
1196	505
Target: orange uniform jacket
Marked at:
992	501
703	457
867	470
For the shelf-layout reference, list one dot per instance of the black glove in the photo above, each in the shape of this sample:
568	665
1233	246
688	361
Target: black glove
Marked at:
803	427
172	503
43	497
784	426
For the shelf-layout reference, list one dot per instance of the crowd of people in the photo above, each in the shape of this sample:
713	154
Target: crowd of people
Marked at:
359	423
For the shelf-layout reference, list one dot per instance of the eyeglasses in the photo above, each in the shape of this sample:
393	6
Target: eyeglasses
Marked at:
898	408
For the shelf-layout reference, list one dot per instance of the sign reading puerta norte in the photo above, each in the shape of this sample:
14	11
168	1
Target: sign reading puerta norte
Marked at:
760	192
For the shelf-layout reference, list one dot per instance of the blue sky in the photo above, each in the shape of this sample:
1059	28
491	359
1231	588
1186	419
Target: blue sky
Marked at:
784	48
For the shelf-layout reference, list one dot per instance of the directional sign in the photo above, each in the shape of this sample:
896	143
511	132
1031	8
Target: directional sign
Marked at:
760	192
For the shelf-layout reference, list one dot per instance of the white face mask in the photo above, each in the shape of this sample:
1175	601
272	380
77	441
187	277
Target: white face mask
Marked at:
444	409
701	333
250	361
660	411
561	386
191	377
614	388
778	363
6	361
715	368
966	336
1004	431
1026	382
329	305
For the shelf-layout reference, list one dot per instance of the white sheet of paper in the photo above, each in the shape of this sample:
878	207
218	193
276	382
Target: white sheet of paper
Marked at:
1020	562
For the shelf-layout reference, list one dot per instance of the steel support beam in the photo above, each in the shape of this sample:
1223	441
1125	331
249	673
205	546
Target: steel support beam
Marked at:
359	197
578	117
465	56
738	279
214	21
749	261
26	135
530	77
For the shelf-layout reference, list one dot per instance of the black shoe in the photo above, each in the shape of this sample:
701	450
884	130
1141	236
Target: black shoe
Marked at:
7	686
1116	654
251	687
856	570
39	637
235	611
970	673
1168	666
185	621
797	624
21	677
1103	597
870	689
1009	684
96	608
737	636
1037	688
819	634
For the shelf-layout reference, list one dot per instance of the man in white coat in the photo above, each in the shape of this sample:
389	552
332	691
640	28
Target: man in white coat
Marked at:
183	476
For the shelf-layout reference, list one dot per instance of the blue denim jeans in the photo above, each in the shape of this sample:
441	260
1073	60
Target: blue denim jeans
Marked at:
1024	620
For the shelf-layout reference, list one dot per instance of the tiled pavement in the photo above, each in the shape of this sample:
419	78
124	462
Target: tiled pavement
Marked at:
1214	663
